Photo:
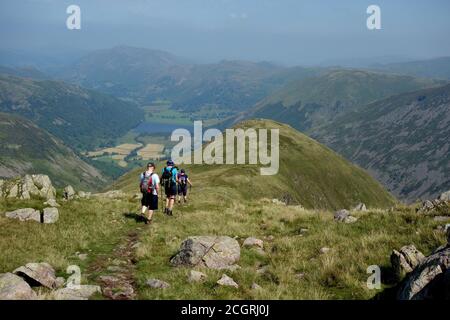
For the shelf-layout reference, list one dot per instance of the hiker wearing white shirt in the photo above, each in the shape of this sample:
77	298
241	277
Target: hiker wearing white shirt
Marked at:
149	185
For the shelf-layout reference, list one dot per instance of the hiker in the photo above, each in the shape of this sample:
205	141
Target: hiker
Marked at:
183	181
169	181
149	186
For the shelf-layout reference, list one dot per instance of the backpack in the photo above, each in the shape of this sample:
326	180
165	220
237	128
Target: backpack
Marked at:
147	184
183	179
166	178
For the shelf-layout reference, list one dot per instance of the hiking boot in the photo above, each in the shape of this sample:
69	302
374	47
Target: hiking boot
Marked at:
169	212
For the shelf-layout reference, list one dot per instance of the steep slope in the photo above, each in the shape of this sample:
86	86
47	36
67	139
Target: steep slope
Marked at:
438	68
25	148
310	174
314	101
145	75
402	140
82	118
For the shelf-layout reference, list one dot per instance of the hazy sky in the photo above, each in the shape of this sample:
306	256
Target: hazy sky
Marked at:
284	31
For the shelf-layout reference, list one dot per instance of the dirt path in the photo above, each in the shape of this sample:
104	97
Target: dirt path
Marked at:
116	271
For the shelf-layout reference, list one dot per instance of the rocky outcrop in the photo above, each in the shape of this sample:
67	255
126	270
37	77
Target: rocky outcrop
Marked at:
406	259
69	193
430	279
36	185
441	204
13	287
445	196
208	251
38	273
27	214
80	292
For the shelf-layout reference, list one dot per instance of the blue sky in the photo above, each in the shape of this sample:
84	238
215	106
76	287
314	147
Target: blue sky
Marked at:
284	31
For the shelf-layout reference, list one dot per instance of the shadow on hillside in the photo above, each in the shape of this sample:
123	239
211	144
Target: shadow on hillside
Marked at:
137	217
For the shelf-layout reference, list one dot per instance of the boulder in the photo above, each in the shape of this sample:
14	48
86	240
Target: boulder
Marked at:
38	274
445	196
253	242
27	214
69	193
227	282
50	215
51	203
430	279
344	216
341	215
360	207
208	251
80	292
406	259
13	287
196	276
157	284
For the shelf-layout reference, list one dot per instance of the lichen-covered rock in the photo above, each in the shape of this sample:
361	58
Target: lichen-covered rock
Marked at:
406	259
69	193
13	287
26	214
36	185
38	273
157	284
208	251
80	292
341	215
430	279
50	215
253	242
196	276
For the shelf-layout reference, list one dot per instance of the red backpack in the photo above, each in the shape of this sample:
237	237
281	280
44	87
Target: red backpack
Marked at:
147	183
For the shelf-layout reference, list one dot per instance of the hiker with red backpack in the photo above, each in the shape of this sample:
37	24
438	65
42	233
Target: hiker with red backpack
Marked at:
149	186
169	180
183	182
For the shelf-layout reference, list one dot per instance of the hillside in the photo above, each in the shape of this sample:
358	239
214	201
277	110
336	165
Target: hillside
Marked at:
438	68
25	148
310	174
313	101
402	140
82	118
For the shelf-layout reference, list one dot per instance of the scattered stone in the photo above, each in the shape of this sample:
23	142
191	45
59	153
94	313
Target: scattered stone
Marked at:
350	219
300	275
430	280
344	216
13	287
441	204
405	260
51	203
79	292
253	242
50	215
208	251
60	282
324	250
278	202
29	186
69	193
83	195
441	218
27	214
38	273
262	270
196	276
227	281
360	207
157	284
256	286
82	256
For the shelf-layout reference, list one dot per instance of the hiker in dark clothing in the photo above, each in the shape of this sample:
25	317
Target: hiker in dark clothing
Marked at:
169	180
183	181
149	185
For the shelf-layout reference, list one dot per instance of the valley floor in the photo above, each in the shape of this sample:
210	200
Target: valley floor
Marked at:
292	266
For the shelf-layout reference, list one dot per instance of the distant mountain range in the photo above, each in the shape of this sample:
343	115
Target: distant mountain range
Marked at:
145	75
82	118
404	141
26	148
438	68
